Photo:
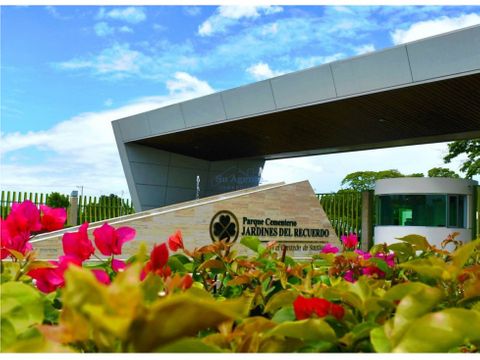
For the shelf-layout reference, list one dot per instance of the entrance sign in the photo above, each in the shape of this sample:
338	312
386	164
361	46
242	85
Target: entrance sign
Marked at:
287	213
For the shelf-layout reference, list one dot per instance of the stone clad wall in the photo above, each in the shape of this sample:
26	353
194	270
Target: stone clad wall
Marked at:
255	210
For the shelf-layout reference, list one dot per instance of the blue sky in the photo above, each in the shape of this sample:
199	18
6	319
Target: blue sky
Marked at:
68	71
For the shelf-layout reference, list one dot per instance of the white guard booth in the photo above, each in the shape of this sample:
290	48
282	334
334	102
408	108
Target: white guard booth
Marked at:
431	207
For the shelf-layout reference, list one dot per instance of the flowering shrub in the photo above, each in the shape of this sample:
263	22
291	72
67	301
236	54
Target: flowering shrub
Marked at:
405	297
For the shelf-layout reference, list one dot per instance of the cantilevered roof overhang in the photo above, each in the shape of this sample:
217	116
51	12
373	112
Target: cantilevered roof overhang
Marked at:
420	92
425	91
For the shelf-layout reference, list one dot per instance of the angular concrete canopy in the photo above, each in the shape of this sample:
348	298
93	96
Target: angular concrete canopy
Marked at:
420	92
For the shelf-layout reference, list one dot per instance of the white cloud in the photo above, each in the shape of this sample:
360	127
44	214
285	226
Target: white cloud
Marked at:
125	29
82	149
52	10
364	49
121	61
261	71
185	83
192	10
433	27
159	27
103	29
270	29
131	14
227	16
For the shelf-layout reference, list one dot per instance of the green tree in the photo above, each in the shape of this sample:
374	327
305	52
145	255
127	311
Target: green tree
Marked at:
471	148
365	180
442	172
57	200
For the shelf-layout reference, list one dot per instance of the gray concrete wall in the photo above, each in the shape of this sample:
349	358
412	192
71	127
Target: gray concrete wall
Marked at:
158	178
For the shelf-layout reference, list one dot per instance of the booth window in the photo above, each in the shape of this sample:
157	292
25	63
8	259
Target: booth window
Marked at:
421	210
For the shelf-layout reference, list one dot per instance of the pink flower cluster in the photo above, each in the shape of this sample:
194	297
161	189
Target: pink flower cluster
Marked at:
371	269
349	242
360	266
25	220
78	248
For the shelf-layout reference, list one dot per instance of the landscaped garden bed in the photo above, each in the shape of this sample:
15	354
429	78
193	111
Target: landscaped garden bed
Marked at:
405	297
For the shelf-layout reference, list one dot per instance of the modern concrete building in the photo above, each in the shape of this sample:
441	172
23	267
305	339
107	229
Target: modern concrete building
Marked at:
431	207
420	92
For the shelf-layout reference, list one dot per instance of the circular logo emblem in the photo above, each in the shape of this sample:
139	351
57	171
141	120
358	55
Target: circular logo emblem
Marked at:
224	226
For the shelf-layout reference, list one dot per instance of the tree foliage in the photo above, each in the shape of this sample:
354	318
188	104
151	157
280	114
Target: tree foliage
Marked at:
442	172
470	148
57	200
365	180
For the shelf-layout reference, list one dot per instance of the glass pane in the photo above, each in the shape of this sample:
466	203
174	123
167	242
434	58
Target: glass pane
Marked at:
452	211
462	203
413	210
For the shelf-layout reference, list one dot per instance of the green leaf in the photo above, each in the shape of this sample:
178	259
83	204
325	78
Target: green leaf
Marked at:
419	242
51	314
151	286
7	334
22	305
432	267
176	265
188	345
441	331
461	255
39	265
38	344
382	265
251	242
17	254
309	329
379	340
280	299
109	310
412	306
212	264
284	314
316	347
9	270
399	291
403	251
181	315
180	257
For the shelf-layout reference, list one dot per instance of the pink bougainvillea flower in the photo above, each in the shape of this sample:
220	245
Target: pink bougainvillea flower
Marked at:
52	218
175	241
16	229
388	258
13	238
110	240
350	241
78	244
304	308
373	271
48	279
158	262
101	276
25	216
118	265
329	249
349	276
363	254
